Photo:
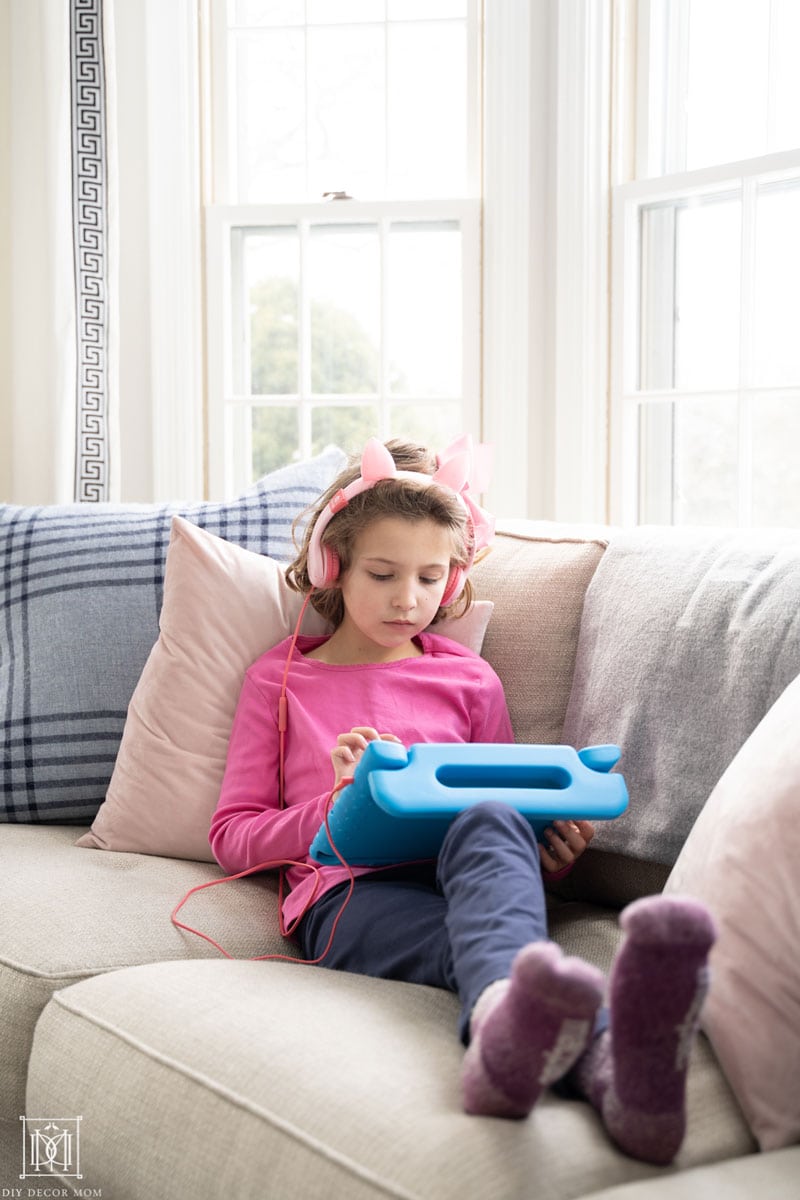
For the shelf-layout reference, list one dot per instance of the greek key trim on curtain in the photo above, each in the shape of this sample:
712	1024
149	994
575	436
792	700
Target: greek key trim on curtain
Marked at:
90	212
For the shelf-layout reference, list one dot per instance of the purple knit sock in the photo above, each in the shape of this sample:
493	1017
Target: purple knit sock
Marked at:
528	1031
635	1073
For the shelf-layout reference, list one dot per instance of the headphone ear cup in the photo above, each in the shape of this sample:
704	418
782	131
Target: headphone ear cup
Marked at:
330	566
454	586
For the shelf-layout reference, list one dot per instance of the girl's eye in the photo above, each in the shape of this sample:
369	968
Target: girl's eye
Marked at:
379	578
430	582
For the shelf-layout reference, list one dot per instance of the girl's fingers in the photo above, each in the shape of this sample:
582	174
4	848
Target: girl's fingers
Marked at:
366	732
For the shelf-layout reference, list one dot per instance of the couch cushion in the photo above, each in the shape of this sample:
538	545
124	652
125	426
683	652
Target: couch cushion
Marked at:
223	607
537	577
770	1175
286	1081
742	858
687	638
80	594
70	913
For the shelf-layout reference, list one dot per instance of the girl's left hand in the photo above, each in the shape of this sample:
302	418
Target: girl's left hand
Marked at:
563	843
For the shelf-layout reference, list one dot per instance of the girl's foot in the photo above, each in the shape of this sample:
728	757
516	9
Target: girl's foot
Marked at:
527	1031
635	1073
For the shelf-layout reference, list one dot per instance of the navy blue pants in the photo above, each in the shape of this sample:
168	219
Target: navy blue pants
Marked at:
457	924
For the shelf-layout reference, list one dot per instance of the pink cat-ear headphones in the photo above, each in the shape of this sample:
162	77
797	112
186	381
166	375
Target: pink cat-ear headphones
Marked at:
456	465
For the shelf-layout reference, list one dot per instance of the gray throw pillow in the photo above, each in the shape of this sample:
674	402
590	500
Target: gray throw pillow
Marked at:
687	638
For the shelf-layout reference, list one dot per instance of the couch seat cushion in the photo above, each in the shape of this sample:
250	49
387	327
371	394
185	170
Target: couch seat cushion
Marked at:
286	1081
71	913
771	1175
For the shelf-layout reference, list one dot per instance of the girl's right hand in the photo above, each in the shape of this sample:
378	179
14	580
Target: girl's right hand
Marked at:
350	746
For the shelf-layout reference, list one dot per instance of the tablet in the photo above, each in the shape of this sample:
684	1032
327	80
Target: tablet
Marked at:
401	801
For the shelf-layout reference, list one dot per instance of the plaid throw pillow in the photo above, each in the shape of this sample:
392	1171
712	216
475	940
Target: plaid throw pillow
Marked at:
80	595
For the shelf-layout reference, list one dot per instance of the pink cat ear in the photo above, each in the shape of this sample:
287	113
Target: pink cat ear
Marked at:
481	468
454	473
461	445
376	462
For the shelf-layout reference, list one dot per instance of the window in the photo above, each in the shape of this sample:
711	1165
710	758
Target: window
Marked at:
343	250
706	276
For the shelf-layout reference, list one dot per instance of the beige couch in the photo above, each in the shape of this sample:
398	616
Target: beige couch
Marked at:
186	1074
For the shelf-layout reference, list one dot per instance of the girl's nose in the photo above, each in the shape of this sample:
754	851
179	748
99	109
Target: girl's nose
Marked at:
404	598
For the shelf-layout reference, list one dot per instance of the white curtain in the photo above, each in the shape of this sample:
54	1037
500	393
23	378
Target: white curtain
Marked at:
63	251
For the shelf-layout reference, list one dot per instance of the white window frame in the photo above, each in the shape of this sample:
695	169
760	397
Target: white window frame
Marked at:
627	397
227	450
643	150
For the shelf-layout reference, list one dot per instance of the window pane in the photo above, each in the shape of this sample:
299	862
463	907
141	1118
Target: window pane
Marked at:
785	107
776	351
424	303
266	12
271	288
434	425
690	280
427	109
330	96
346	99
430	10
657	298
275	439
345	426
269	123
723	83
344	285
707	285
776	460
655	483
706	460
727	87
330	12
689	462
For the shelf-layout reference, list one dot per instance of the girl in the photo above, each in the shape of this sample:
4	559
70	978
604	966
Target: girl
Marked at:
385	556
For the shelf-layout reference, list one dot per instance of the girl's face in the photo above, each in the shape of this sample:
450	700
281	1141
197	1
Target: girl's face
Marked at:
392	589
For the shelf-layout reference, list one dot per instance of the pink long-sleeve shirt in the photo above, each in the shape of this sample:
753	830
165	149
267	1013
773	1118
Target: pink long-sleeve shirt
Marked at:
448	694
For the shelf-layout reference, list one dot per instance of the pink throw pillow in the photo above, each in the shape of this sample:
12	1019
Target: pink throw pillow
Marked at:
223	607
742	857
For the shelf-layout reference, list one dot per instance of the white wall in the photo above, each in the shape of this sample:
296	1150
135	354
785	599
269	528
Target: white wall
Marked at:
5	258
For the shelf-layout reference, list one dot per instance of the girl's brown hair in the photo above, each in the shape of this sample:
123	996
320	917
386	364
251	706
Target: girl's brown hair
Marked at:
388	498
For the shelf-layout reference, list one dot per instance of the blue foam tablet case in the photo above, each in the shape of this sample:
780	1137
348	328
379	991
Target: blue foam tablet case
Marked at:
401	801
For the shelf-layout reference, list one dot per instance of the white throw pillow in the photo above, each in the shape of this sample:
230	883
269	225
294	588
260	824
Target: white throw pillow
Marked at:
742	858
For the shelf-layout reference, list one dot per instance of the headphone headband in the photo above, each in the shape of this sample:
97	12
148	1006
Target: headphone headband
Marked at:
377	464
